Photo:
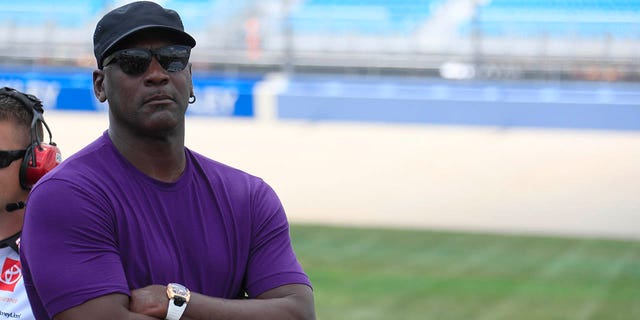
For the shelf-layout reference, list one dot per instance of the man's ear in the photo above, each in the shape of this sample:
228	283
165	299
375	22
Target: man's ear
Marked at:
98	85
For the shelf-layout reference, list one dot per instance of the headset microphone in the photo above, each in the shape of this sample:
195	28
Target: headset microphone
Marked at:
14	206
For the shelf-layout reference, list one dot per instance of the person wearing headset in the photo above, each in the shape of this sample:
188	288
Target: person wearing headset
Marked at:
138	226
20	130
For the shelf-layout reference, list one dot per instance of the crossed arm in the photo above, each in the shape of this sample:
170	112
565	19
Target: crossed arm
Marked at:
293	301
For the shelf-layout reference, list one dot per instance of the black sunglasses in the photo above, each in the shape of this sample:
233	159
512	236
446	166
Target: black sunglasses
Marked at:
7	157
135	61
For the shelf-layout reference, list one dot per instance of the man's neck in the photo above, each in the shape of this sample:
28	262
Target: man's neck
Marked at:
160	158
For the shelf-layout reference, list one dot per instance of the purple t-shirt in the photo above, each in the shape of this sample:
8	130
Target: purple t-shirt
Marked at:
96	225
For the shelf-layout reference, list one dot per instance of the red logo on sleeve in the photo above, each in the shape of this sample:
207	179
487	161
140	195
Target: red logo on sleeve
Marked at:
11	274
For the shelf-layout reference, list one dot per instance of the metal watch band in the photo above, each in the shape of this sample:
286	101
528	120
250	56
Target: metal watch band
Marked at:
174	312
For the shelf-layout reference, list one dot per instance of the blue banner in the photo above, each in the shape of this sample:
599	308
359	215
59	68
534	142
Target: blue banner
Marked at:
561	104
72	89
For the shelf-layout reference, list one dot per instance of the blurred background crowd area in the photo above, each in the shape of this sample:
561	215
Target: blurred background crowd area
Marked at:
455	39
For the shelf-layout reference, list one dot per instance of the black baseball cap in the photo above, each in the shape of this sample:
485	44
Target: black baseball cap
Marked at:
134	17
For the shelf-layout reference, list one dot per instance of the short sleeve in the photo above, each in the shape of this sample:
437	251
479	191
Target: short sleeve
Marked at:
272	261
69	247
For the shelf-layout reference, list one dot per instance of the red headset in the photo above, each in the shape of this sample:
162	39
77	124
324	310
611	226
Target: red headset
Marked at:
39	157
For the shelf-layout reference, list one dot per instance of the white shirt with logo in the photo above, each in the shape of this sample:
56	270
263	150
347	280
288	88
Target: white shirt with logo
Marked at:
14	303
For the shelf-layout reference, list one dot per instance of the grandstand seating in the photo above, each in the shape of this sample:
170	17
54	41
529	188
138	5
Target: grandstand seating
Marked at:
199	15
361	17
402	34
59	13
558	18
552	18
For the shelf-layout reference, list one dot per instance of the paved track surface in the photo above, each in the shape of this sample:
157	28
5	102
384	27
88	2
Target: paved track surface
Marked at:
538	181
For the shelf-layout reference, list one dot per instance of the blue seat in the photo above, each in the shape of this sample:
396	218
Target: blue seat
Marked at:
64	13
197	15
559	18
362	17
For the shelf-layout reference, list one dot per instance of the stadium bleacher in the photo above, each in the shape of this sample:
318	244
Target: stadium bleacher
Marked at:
60	13
199	15
393	35
559	18
364	17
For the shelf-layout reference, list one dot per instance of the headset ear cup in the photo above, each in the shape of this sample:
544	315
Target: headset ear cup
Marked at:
24	167
47	157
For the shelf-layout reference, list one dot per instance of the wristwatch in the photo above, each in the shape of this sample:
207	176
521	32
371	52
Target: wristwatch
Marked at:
178	296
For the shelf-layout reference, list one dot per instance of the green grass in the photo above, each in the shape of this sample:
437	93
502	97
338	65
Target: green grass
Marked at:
372	274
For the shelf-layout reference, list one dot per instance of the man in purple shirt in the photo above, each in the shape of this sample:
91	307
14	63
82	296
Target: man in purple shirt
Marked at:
135	225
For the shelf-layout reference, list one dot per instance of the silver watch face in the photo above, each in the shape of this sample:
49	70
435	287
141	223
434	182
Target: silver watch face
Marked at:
179	290
178	293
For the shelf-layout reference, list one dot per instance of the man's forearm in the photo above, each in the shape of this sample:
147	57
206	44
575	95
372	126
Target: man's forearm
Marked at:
297	304
294	301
